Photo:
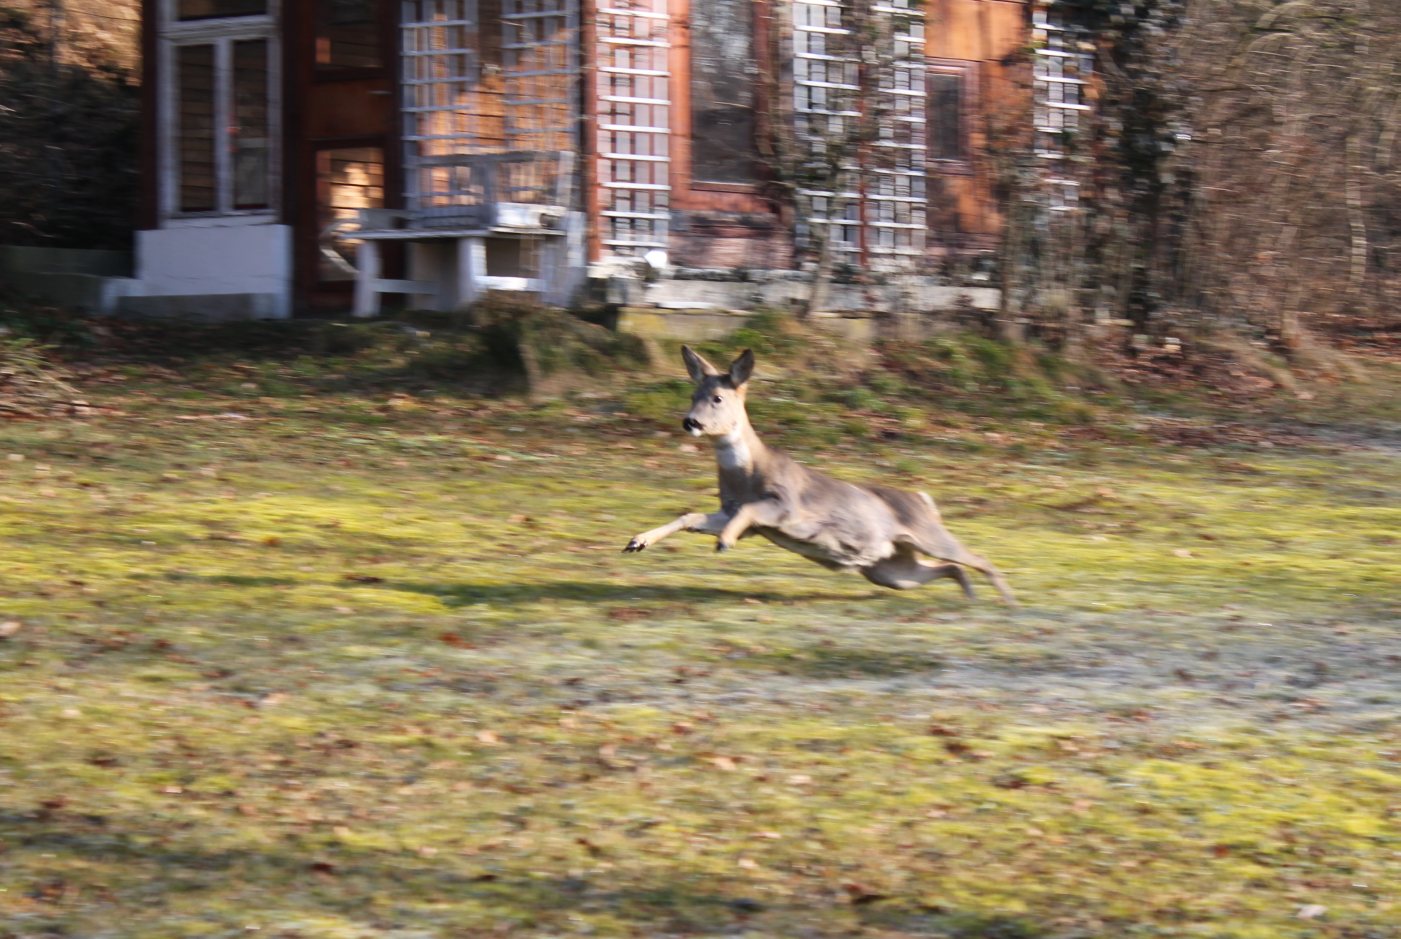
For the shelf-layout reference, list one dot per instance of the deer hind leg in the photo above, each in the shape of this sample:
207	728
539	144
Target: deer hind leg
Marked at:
934	539
711	524
904	571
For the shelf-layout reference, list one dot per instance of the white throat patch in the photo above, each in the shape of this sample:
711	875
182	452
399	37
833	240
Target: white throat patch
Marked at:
732	452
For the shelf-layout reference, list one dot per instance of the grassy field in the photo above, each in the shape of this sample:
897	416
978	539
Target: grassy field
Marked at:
286	656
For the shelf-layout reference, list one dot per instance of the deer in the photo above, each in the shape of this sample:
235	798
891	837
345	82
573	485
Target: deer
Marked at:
876	530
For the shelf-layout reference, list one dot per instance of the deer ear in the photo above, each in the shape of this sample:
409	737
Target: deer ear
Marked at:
741	368
697	366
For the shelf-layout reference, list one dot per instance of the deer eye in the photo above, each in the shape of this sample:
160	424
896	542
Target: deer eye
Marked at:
717	399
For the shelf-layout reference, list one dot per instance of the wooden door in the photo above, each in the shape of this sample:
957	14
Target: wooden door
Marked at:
342	132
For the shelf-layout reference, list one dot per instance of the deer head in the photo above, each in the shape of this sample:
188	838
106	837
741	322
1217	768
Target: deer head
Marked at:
717	407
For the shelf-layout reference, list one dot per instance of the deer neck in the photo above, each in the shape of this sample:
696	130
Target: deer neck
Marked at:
740	451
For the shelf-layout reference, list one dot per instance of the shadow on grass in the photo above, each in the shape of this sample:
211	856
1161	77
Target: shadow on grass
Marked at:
477	594
830	661
351	882
230	580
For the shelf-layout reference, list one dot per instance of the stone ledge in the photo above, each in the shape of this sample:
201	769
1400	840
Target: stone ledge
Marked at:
204	308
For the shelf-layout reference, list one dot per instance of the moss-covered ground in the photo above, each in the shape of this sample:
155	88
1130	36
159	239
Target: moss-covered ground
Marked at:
291	655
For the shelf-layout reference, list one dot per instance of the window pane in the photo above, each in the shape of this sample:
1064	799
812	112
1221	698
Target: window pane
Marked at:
207	9
195	147
347	34
250	138
723	77
946	117
348	179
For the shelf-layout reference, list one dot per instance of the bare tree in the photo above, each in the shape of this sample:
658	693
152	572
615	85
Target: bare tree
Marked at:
1238	168
1297	113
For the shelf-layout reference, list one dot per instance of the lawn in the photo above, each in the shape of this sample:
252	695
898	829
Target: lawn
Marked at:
286	657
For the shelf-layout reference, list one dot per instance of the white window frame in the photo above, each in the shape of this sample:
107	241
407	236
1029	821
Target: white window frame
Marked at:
221	33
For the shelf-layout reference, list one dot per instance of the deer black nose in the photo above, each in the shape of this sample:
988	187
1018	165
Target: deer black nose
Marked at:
690	424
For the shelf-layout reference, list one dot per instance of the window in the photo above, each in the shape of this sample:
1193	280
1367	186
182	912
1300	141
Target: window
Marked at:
218	92
347	34
1061	76
195	87
249	129
946	117
723	78
950	88
211	9
348	179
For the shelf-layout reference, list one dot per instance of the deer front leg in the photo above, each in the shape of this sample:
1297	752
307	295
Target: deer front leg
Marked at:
766	512
711	524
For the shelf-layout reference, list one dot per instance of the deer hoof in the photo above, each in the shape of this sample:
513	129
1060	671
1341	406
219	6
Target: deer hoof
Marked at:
634	546
721	547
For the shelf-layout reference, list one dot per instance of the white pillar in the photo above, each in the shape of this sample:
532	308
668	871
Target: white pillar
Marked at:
367	279
471	270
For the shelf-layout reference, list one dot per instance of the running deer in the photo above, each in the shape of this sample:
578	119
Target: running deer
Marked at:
872	529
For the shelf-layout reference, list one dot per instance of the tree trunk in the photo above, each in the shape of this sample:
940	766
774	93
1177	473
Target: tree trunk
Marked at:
821	276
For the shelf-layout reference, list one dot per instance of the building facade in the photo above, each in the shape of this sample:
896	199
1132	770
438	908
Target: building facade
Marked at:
567	134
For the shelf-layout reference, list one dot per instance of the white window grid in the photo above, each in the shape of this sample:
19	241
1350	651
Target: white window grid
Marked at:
221	33
1061	74
884	204
825	99
442	104
541	53
633	128
449	117
897	201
